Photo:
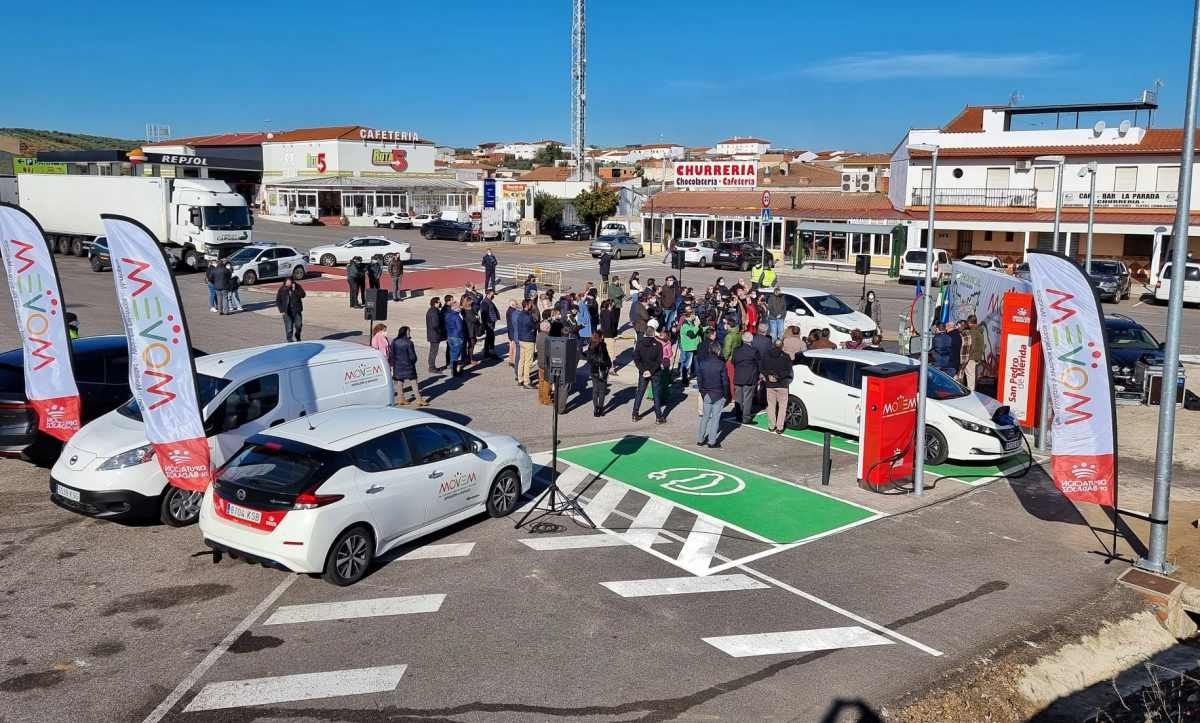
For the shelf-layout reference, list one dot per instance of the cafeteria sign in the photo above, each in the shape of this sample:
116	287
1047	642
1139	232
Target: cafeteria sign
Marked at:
24	164
1124	199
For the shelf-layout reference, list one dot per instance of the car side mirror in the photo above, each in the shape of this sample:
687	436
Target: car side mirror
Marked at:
1162	345
478	446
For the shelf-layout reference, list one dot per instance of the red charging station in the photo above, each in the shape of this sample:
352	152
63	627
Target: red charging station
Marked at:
887	425
1019	363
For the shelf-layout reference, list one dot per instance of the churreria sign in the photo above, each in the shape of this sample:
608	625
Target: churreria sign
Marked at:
716	175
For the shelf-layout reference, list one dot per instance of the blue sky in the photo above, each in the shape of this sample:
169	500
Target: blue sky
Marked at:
802	74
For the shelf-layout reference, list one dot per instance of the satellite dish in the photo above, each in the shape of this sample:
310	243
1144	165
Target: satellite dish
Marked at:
1124	127
1098	128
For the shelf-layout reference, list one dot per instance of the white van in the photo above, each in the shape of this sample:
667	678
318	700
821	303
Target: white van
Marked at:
912	267
1191	284
108	468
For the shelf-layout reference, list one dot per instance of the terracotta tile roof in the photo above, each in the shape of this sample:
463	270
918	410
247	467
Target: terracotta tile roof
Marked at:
814	204
744	139
248	138
868	159
1156	141
548	173
968	120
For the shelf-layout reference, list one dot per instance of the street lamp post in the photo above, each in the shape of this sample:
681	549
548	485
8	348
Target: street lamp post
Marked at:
926	321
1041	438
1089	170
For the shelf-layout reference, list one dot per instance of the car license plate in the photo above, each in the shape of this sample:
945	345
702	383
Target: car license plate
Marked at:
243	513
1012	445
67	492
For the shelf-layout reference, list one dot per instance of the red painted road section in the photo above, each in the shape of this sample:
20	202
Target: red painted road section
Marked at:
334	279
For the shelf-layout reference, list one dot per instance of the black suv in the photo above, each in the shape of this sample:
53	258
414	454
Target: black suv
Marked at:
98	254
1128	343
741	255
441	228
1111	279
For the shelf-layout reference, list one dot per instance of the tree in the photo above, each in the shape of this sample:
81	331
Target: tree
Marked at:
595	204
547	155
548	210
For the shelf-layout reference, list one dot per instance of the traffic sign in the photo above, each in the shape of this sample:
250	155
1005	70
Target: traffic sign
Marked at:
489	193
766	214
766	199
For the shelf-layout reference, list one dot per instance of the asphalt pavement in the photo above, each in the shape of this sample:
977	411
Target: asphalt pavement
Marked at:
108	621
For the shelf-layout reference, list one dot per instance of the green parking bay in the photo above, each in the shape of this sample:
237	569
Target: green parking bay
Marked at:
765	506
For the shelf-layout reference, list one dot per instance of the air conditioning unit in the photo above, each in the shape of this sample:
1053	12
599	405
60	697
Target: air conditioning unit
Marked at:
867	185
1024	164
846	187
847	178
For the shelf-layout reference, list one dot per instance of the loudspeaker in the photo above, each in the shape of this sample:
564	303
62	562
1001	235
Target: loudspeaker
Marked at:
862	264
375	304
562	358
677	259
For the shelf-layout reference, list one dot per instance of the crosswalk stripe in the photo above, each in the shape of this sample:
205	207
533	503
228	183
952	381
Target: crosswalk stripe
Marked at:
573	542
684	585
701	545
573	478
348	609
644	529
430	552
291	688
604	502
795	641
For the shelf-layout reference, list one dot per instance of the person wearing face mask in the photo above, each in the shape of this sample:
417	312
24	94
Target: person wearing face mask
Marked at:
871	307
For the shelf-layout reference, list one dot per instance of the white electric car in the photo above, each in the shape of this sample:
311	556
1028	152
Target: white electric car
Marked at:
109	469
826	392
329	493
266	261
813	309
363	246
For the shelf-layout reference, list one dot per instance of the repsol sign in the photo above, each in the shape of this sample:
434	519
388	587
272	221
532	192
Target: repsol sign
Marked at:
171	159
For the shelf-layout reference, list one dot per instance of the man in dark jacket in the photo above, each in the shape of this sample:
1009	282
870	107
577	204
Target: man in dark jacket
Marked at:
648	357
776	312
527	337
489	271
605	267
435	332
745	377
489	315
404	368
640	315
762	343
713	385
375	271
777	373
289	301
396	271
223	282
943	355
354	280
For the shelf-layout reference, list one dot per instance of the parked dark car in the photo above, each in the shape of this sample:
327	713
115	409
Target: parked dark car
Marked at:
98	254
441	228
102	375
741	255
1111	279
1128	343
574	232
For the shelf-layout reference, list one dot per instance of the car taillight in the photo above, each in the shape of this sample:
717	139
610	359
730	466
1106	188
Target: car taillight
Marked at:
309	500
15	405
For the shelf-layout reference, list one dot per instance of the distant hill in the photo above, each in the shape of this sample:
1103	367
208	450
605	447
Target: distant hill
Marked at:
28	141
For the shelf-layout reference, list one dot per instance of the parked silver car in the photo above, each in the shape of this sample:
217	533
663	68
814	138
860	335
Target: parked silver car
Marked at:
620	246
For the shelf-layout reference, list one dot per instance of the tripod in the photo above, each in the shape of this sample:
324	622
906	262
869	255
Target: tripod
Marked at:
554	501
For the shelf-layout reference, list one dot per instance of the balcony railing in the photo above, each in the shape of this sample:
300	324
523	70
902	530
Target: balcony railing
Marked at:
990	197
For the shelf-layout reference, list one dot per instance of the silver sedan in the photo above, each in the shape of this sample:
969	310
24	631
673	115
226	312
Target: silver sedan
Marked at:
620	246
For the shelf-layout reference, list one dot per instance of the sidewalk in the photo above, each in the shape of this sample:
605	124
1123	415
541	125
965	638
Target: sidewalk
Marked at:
331	282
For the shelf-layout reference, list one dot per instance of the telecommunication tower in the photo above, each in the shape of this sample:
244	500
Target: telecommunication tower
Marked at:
579	88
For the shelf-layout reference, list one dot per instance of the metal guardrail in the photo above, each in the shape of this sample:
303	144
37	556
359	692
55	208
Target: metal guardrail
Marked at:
989	197
544	277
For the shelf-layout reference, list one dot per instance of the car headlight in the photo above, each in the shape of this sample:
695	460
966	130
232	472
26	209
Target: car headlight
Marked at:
1116	368
130	458
974	427
839	329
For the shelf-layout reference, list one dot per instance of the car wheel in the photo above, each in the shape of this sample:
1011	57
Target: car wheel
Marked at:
249	278
617	254
703	262
375	223
796	416
179	507
502	497
349	557
462	237
329	260
96	265
77	247
744	266
936	449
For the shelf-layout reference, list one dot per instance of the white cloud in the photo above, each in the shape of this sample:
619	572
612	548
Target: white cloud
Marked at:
883	66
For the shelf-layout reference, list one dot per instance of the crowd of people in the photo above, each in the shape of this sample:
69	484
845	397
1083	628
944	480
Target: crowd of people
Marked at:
957	350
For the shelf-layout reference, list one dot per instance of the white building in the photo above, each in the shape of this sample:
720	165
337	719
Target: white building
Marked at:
523	150
997	183
743	147
656	151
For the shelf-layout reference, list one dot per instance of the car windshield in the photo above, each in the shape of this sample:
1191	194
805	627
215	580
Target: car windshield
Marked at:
272	467
209	388
1130	337
828	305
915	257
227	217
1108	268
942	386
243	256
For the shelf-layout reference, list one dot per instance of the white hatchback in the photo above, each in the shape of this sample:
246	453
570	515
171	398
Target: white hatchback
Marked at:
302	217
329	493
365	247
826	392
697	252
813	309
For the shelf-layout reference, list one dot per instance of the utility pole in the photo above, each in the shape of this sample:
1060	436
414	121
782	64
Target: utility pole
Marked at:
1156	558
579	88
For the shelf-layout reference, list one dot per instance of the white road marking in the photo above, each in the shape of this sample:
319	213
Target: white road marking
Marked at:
701	545
348	609
795	641
573	542
684	585
572	478
430	552
604	502
291	688
198	672
644	529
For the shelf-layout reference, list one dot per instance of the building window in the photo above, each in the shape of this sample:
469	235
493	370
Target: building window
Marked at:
987	235
1125	178
1168	179
1138	245
1043	179
1010	236
926	177
997	178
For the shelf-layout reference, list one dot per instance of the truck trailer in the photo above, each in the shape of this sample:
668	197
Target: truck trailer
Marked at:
195	218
